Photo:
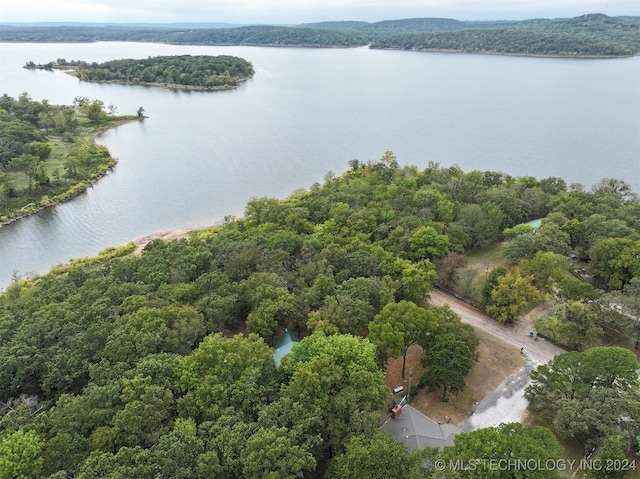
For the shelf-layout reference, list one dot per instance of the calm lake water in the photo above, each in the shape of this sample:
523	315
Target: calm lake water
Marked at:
201	156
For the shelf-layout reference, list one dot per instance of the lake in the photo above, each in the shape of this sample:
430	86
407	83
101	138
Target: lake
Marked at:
200	156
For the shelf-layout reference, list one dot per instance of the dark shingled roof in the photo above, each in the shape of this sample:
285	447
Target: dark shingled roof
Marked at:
418	431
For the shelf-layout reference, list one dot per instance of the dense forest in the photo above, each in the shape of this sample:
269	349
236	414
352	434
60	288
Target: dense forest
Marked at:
203	72
47	153
591	35
158	363
587	35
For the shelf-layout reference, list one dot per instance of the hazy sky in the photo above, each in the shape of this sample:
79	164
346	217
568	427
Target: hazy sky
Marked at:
299	11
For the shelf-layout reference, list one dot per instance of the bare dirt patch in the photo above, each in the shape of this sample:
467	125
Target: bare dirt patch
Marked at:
165	236
497	361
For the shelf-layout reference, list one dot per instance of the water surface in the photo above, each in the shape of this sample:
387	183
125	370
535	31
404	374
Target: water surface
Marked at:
201	156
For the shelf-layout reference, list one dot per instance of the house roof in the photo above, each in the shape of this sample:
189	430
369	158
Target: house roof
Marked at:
418	431
283	346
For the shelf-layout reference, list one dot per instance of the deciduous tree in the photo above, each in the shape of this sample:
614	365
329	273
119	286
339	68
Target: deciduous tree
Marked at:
427	243
274	453
511	295
448	361
398	326
374	456
20	454
589	395
222	372
509	444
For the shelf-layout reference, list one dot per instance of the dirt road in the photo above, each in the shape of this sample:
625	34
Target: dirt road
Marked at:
506	403
539	351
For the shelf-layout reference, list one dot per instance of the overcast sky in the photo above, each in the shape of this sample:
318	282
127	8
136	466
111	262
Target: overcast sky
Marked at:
300	11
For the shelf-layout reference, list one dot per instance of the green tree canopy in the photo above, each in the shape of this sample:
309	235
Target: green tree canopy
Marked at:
20	454
589	395
349	353
477	453
427	243
448	360
374	456
224	371
512	293
398	326
273	454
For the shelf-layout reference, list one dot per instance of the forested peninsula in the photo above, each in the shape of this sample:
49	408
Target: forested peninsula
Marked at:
593	35
47	152
193	72
160	362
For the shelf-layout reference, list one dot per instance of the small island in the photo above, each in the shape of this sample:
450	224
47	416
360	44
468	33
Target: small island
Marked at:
190	72
48	155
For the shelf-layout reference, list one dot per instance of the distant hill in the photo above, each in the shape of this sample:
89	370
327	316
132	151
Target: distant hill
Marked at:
340	26
247	35
588	35
123	25
386	28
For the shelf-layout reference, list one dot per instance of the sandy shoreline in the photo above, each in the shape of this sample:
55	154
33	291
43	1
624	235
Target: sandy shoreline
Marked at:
163	235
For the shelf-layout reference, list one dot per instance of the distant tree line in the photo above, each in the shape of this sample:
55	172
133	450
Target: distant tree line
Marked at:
594	35
587	35
268	35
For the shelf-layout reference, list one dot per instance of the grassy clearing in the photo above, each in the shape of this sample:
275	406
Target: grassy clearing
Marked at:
28	198
490	257
479	264
59	152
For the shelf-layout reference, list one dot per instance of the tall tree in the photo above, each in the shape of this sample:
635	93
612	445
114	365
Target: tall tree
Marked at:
338	379
416	279
427	243
611	460
398	326
615	262
511	295
549	237
272	307
576	325
589	395
20	454
273	453
375	456
223	372
449	360
478	453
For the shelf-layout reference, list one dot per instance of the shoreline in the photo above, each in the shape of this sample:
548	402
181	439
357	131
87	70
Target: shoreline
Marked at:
508	54
89	184
162	235
139	243
170	86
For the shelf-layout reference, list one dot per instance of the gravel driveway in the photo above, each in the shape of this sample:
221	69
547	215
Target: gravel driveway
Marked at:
539	352
506	403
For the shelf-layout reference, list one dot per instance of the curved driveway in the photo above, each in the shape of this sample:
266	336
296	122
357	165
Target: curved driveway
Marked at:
506	403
